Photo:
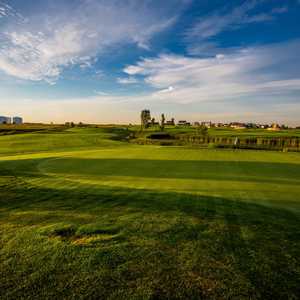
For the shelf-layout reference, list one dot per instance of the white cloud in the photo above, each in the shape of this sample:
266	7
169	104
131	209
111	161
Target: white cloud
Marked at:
39	49
127	80
280	10
6	10
220	20
167	90
254	84
248	72
101	93
132	70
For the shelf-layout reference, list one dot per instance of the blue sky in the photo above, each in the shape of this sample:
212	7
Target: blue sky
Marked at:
104	61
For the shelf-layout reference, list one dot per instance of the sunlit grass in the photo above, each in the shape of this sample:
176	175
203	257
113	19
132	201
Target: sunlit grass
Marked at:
100	219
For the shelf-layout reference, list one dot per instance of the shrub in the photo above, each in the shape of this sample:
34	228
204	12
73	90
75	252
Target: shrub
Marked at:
212	146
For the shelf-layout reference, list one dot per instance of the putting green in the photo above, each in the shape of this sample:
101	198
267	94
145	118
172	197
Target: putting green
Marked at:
268	178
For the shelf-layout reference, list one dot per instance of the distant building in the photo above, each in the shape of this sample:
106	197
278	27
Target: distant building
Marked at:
17	120
274	127
183	123
5	120
2	120
153	122
238	125
171	122
207	124
251	125
264	126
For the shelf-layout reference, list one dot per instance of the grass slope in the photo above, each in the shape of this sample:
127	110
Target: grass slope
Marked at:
86	216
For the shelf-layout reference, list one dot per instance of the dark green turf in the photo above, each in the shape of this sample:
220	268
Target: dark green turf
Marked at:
115	221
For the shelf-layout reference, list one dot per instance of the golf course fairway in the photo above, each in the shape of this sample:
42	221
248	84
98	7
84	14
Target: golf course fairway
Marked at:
86	215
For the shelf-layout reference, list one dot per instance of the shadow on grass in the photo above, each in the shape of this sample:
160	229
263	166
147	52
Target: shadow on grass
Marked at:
172	246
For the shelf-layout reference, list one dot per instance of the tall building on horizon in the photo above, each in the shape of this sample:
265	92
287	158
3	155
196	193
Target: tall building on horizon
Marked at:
5	120
17	120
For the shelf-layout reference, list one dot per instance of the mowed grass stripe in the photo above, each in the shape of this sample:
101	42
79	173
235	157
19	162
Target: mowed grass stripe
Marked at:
137	222
217	178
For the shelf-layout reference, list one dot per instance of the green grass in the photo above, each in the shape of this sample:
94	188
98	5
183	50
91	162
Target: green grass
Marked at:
256	139
226	132
254	132
84	215
67	139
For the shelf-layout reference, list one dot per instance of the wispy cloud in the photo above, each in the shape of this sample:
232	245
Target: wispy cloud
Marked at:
101	93
127	80
7	11
253	84
170	89
46	43
209	26
4	10
280	10
245	72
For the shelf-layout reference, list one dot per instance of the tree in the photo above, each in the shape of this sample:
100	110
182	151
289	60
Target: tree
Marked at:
202	130
162	125
145	118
